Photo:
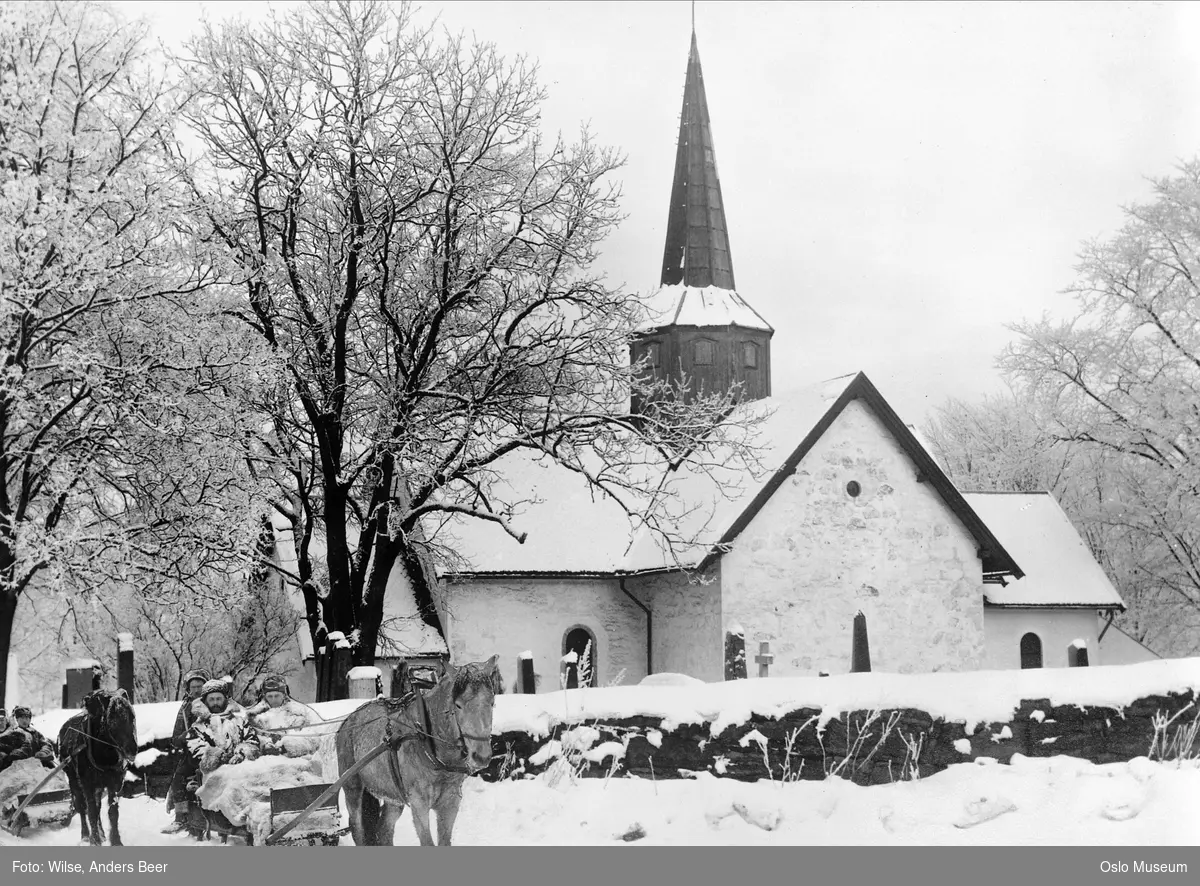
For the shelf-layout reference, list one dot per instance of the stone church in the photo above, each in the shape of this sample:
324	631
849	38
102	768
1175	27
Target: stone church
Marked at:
853	515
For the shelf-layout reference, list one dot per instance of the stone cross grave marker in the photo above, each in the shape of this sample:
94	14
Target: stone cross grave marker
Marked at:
764	658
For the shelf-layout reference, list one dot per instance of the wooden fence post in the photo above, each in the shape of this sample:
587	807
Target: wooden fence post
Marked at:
525	680
125	664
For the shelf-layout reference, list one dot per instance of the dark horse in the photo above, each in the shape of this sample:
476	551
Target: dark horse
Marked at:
436	740
99	742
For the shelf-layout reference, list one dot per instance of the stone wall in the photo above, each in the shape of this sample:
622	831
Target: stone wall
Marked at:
814	555
1036	729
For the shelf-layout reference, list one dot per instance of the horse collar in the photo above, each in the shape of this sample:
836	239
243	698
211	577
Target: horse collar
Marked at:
429	745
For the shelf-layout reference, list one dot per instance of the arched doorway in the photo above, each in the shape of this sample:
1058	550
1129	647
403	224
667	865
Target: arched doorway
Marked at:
580	641
1031	651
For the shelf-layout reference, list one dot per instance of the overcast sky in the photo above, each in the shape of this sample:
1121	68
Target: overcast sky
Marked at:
901	179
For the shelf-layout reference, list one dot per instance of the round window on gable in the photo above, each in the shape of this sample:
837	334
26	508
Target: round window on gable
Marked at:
853	489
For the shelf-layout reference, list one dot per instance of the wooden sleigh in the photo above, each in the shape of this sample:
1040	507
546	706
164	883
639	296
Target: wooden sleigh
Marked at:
293	811
44	809
320	826
38	808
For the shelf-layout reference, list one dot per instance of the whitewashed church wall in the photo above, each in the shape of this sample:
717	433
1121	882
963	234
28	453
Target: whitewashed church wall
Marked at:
687	635
507	616
1056	628
1118	648
814	555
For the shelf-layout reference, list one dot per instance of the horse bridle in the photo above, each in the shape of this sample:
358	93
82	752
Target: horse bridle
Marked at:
123	759
427	748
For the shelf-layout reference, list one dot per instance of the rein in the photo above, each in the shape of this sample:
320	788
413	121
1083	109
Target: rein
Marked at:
122	758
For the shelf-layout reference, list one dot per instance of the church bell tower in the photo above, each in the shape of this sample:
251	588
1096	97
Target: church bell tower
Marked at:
700	328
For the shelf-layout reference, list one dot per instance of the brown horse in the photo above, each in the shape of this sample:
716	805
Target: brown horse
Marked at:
99	743
436	740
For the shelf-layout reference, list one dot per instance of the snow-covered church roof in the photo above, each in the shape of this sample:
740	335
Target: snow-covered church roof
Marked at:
573	530
683	305
1059	568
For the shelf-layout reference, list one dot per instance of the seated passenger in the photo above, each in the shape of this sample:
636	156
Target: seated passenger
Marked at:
219	734
279	721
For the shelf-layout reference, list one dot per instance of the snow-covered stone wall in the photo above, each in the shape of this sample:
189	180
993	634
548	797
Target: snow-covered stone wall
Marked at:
687	636
814	555
507	616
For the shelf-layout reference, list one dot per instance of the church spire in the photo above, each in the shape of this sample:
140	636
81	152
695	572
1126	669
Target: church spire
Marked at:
697	247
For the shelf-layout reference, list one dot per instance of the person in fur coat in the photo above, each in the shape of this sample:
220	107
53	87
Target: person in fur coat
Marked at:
220	733
278	721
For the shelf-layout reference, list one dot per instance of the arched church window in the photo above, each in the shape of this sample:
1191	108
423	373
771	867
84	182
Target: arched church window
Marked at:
750	355
1031	651
704	352
580	669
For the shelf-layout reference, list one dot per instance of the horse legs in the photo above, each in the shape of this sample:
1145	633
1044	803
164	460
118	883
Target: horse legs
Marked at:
94	796
355	797
447	812
385	829
114	797
78	802
420	814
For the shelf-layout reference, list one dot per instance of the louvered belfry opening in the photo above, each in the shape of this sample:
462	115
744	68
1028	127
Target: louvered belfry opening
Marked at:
697	244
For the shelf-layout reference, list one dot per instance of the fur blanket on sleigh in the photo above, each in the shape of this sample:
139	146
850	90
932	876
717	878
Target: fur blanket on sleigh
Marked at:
242	792
21	778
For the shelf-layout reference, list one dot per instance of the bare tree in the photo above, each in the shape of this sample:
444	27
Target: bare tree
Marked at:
1106	411
418	259
111	352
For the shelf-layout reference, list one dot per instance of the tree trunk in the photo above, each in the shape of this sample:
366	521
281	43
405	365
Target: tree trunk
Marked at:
384	559
340	608
8	617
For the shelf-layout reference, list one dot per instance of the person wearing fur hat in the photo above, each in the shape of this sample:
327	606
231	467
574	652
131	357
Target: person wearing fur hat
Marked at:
216	697
279	719
20	741
193	682
219	735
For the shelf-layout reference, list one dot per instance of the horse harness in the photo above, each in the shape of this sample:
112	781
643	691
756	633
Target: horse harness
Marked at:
427	749
121	764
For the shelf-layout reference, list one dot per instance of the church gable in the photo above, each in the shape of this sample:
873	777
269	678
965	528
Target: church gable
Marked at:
857	526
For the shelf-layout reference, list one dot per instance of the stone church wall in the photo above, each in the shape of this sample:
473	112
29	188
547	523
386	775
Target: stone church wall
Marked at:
507	616
814	555
687	636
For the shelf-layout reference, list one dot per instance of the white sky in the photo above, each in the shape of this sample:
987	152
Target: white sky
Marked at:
900	179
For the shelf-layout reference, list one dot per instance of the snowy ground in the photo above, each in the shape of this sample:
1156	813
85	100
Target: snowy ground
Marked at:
1052	801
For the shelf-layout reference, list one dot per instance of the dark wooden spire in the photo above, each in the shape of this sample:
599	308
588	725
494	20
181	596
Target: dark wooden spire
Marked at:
697	248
